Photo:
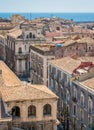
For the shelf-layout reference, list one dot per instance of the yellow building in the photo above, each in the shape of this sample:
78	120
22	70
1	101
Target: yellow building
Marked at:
33	107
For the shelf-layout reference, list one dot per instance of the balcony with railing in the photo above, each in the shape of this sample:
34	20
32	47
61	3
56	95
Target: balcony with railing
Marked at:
56	77
61	81
22	55
52	75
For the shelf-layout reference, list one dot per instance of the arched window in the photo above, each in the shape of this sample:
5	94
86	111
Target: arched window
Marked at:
82	99
82	127
30	35
56	87
67	95
82	115
90	121
33	35
16	112
89	48
62	91
74	110
58	28
31	111
27	36
31	128
47	109
25	47
75	93
20	50
90	104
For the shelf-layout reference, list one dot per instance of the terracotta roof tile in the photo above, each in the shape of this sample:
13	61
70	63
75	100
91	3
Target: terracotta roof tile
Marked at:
29	92
15	33
87	40
89	83
12	89
9	78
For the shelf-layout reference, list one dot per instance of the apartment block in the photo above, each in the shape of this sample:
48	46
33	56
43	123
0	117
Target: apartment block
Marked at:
73	81
2	47
17	49
72	46
40	54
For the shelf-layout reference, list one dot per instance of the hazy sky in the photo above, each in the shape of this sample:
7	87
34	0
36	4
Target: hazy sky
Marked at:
46	5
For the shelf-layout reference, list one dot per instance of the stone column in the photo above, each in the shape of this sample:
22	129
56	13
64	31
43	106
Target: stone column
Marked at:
39	112
24	112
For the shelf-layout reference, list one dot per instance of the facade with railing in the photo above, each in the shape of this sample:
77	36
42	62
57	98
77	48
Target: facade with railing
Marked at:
39	58
75	96
17	50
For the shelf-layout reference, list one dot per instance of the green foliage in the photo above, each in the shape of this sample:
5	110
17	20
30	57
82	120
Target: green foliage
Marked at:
92	128
65	113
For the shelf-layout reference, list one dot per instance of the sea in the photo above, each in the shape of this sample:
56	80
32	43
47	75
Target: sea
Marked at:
77	17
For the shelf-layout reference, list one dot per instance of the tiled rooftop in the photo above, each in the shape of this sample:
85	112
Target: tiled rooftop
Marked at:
26	92
15	33
89	83
8	77
12	89
69	42
68	64
87	40
44	47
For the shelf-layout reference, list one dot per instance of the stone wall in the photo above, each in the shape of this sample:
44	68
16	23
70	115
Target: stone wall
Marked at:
5	125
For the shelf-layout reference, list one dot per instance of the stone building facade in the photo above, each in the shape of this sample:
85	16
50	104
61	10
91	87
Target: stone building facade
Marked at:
79	34
2	47
39	57
73	81
17	48
5	118
32	107
80	47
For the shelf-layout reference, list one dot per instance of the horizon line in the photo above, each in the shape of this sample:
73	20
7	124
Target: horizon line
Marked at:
46	12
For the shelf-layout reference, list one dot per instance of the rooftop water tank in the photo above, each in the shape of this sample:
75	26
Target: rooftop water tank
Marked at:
59	45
